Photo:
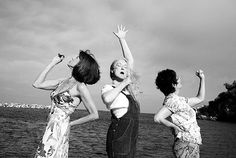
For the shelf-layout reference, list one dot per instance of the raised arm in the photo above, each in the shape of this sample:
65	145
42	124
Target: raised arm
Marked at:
121	34
41	82
89	105
201	91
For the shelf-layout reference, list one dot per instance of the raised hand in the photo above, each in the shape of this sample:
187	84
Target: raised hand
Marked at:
121	32
57	59
200	74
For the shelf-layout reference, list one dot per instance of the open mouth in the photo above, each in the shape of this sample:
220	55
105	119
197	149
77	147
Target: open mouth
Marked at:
122	73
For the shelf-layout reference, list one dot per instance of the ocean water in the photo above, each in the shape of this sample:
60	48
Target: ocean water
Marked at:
22	129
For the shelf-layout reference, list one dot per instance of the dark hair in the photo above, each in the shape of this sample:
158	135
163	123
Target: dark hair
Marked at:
87	69
165	80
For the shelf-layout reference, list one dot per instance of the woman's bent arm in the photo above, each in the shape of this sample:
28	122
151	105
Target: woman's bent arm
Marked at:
161	116
109	96
41	82
89	105
201	91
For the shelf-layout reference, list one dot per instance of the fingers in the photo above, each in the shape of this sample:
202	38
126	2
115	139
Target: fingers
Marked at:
121	28
61	56
200	73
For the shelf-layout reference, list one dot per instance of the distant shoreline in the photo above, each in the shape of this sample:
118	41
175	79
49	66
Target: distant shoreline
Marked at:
18	105
38	106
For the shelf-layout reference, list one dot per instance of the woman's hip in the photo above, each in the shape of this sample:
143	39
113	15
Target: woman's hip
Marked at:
184	149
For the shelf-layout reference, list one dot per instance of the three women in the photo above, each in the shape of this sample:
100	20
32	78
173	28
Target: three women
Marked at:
120	98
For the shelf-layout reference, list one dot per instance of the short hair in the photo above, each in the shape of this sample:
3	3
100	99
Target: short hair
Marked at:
87	69
165	80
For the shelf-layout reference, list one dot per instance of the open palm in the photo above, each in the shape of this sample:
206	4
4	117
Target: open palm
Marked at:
121	32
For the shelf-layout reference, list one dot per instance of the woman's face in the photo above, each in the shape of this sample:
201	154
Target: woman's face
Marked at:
121	69
179	84
73	61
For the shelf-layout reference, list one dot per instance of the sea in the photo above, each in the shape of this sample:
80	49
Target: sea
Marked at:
21	129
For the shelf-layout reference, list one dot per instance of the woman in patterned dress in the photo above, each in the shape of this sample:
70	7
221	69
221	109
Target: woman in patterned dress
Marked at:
66	95
183	116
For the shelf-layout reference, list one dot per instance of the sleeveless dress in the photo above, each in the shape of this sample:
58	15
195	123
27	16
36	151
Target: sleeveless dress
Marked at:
55	142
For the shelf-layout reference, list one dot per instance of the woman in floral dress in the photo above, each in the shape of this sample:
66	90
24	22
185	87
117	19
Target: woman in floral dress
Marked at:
66	95
183	116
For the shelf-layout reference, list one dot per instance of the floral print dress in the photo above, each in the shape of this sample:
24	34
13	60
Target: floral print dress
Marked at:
55	142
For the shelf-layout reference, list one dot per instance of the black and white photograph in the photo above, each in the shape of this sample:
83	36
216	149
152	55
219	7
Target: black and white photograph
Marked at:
117	79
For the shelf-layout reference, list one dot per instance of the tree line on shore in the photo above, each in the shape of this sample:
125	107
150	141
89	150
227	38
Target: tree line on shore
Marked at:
223	107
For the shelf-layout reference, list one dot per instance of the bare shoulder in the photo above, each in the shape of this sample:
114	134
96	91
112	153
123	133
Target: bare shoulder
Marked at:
82	88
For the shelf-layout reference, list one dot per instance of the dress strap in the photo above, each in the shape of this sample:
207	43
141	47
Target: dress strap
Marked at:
65	82
121	91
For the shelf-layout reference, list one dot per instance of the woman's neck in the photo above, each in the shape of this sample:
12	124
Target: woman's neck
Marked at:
71	79
115	83
175	93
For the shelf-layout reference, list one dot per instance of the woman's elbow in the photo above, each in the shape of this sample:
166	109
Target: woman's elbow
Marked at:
106	101
157	119
201	98
95	116
35	85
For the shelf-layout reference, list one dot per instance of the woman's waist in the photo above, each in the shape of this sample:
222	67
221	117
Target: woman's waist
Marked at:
64	111
189	127
119	112
185	123
59	115
122	112
126	116
190	136
67	108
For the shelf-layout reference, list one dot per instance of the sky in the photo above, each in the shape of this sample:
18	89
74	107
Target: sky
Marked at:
182	35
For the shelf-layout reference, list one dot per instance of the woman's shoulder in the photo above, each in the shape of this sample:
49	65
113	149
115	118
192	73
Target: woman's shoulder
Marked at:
171	102
106	88
80	86
172	99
